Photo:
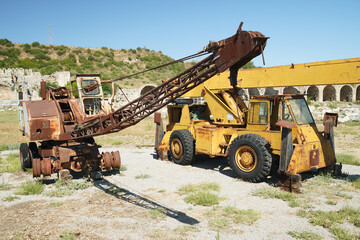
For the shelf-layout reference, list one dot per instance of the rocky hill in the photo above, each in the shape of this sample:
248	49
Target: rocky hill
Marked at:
110	63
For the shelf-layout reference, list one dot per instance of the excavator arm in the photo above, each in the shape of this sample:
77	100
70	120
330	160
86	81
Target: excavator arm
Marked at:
231	53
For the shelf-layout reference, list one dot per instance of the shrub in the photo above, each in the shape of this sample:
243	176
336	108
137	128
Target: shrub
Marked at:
35	44
30	188
6	42
61	52
202	198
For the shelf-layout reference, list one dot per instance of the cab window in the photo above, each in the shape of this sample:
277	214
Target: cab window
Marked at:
286	115
85	83
258	113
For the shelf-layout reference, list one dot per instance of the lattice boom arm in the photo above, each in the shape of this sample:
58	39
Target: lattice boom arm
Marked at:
231	53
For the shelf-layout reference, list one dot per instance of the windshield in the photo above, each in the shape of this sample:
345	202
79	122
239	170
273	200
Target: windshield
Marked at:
301	111
93	91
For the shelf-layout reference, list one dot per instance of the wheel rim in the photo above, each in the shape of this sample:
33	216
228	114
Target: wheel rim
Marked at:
246	158
176	148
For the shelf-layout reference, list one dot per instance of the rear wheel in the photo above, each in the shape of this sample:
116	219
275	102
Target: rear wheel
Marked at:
25	157
182	147
250	157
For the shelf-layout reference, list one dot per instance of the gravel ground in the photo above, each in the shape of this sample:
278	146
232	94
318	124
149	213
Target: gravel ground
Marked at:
118	207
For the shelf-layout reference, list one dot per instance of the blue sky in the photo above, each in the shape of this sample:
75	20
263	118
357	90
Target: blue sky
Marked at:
299	31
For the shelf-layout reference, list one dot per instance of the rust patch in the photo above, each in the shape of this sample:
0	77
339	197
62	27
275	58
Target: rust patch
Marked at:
285	124
314	157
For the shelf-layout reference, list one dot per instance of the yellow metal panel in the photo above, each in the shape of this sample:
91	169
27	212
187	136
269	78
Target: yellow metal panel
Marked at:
218	108
344	71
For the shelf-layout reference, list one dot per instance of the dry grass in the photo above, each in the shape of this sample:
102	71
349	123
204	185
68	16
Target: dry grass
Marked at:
221	218
10	137
140	135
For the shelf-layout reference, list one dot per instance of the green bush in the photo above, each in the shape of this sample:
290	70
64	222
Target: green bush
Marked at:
30	188
6	42
49	84
35	44
61	52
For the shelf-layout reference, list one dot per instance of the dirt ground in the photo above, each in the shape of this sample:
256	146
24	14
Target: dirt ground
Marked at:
121	206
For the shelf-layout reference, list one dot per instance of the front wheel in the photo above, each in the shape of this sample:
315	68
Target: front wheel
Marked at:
250	157
182	147
25	158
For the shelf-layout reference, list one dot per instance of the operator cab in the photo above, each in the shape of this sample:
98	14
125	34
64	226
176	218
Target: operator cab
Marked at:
88	89
266	111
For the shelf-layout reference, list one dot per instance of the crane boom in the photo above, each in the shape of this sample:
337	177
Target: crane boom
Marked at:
230	53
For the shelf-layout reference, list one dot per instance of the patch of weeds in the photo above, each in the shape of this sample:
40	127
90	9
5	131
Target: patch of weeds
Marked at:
352	123
142	176
67	188
302	213
343	195
190	188
4	185
55	204
185	229
123	168
158	233
330	202
267	193
356	183
12	163
332	105
10	198
117	142
347	159
220	223
349	131
30	188
306	235
341	233
201	194
59	192
223	217
202	198
161	191
156	213
328	219
69	235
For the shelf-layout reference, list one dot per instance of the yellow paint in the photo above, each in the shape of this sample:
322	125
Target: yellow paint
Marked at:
344	71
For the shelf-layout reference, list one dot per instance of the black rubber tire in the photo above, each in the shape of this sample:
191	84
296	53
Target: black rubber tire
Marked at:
34	152
25	159
261	148
187	142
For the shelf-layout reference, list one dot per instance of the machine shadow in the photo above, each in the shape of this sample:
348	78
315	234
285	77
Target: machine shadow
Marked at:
133	198
221	164
217	164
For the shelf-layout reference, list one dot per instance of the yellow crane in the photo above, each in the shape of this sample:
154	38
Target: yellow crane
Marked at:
272	132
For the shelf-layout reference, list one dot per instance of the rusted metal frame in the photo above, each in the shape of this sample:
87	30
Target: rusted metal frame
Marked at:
155	91
144	112
180	90
59	111
167	83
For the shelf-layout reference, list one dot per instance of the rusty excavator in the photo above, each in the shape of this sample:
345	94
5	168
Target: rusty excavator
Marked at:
61	126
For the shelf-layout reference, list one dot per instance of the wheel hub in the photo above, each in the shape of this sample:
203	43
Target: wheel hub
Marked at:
246	158
176	148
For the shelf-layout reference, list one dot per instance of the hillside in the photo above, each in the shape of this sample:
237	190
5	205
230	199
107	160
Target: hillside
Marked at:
110	63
